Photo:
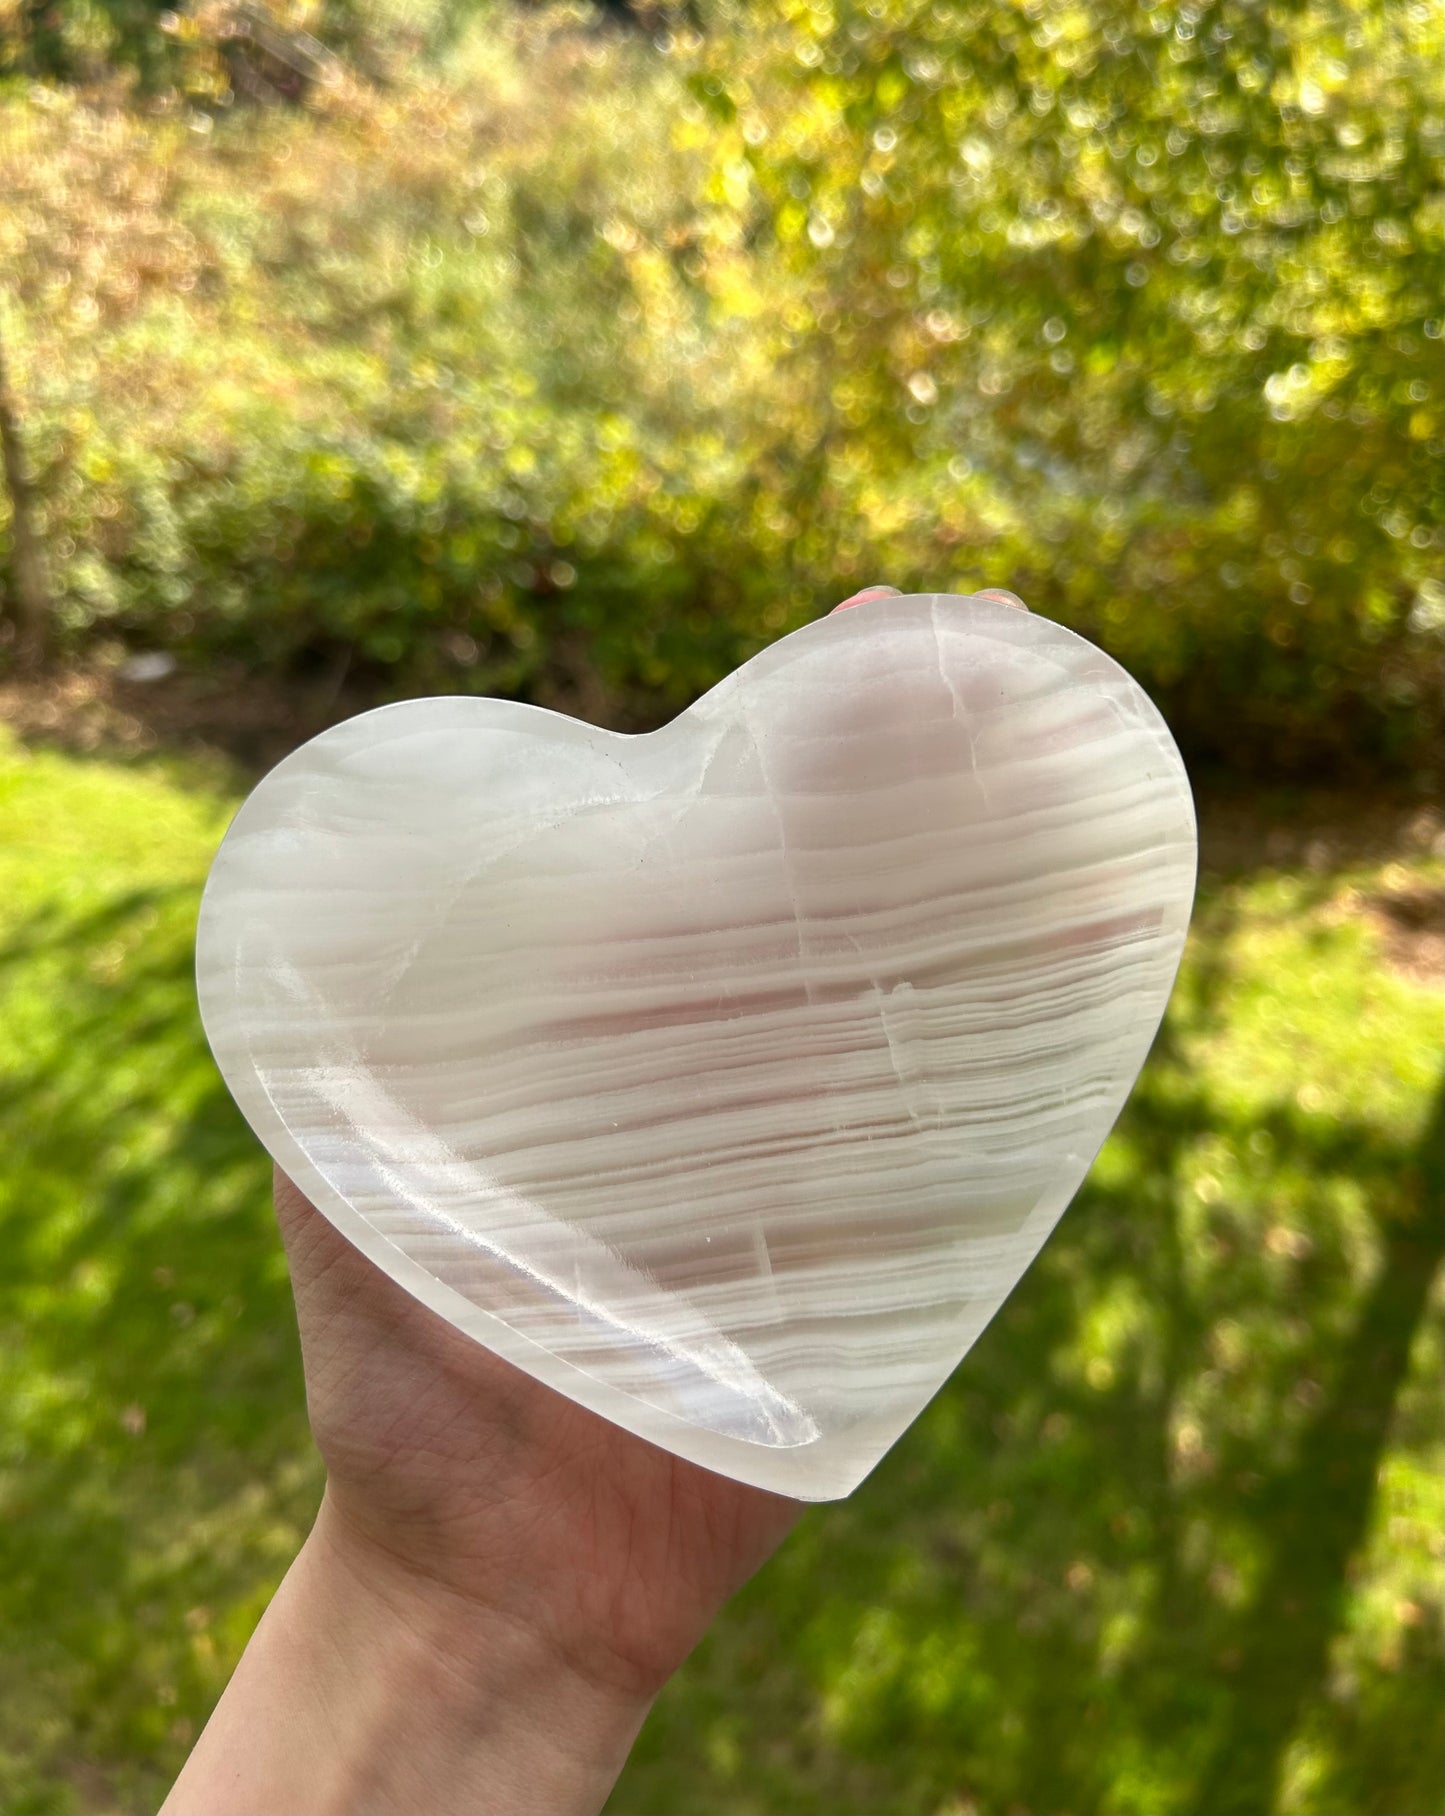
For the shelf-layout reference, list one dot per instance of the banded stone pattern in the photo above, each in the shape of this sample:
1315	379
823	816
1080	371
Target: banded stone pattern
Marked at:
725	1078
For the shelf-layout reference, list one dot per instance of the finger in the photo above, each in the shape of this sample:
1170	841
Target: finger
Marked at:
999	595
868	592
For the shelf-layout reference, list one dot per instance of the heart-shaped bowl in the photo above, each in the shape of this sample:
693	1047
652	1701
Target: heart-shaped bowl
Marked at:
725	1078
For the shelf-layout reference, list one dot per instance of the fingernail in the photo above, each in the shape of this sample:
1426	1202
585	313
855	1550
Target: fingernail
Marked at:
869	592
1001	596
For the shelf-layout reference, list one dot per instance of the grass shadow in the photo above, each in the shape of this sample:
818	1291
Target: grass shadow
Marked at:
1108	1569
1114	1567
155	1472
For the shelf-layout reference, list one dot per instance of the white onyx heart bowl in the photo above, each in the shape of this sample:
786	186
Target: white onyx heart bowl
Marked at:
725	1078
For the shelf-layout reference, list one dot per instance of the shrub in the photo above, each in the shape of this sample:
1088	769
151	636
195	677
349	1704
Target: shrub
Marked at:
579	362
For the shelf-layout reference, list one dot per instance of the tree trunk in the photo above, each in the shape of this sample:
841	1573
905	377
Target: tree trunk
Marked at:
29	593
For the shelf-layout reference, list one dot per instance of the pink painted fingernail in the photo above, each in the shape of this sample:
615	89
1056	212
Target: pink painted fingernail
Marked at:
869	592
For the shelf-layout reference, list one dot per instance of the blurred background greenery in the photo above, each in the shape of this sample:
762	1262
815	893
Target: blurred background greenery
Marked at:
356	348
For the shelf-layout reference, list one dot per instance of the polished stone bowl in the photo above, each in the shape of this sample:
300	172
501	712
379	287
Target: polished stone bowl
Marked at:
725	1078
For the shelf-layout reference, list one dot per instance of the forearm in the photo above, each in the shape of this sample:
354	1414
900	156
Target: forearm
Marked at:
363	1690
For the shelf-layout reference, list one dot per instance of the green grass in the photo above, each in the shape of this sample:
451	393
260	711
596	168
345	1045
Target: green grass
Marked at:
1169	1542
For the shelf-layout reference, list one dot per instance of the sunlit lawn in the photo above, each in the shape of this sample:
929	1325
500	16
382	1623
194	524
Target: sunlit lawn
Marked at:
1170	1541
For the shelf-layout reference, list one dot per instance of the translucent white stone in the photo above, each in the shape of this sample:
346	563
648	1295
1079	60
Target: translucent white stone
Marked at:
725	1078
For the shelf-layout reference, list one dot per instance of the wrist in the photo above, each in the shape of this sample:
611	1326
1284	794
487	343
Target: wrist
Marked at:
371	1687
494	1702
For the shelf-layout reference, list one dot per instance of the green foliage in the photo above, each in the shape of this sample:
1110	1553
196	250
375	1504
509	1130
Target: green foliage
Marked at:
1169	1542
62	39
216	51
567	364
154	1466
1159	286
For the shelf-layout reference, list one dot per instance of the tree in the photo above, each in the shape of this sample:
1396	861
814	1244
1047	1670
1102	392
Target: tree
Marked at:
29	596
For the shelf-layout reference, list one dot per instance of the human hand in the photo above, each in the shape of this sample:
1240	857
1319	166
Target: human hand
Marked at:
497	1585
